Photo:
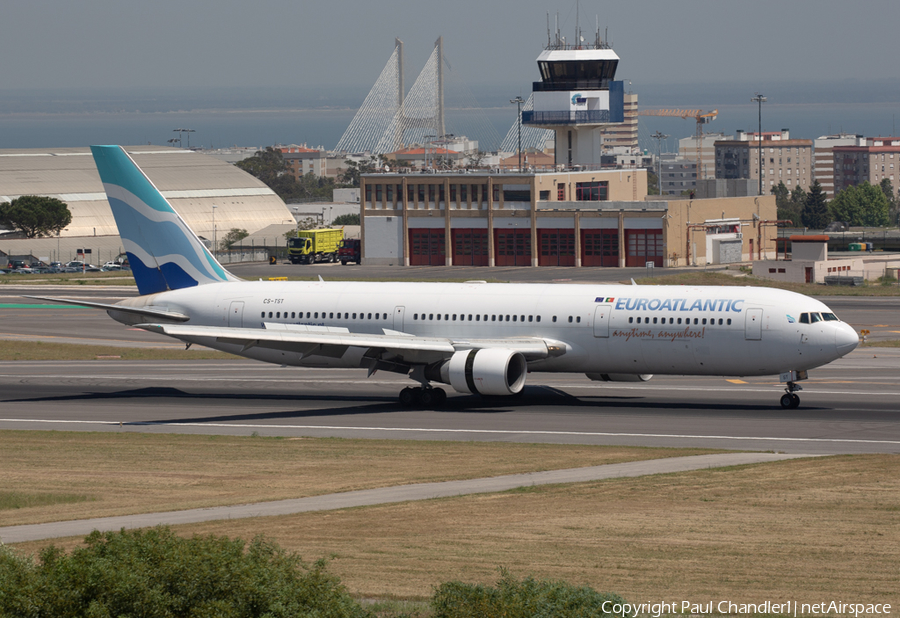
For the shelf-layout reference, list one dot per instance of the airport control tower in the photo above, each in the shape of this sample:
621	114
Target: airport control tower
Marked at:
576	98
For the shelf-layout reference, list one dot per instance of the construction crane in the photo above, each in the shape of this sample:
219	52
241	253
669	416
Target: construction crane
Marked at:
699	115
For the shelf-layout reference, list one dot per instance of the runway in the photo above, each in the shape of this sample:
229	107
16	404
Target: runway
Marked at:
848	406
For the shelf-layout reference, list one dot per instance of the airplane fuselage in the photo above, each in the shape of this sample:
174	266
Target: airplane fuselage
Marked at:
602	329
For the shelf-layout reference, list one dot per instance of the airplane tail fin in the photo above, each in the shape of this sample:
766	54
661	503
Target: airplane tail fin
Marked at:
164	253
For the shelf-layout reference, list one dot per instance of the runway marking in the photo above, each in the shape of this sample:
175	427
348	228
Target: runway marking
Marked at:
761	389
508	432
736	381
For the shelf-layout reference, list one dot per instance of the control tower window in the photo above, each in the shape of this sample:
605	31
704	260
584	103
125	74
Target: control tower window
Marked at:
578	70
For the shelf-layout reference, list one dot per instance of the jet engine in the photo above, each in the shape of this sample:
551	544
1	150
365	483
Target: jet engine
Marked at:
486	371
619	377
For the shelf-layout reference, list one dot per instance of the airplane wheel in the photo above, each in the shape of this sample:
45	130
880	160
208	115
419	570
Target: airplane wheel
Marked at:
440	396
795	400
787	401
408	396
427	397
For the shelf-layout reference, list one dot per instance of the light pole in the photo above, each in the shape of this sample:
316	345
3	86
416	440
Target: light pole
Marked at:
215	240
180	131
760	99
518	101
659	137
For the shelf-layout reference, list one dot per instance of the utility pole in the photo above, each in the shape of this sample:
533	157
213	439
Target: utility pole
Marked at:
659	137
760	99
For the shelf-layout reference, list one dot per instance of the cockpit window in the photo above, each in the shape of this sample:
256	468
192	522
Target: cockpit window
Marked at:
815	317
804	318
830	317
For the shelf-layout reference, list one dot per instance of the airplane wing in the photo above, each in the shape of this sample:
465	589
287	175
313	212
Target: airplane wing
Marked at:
333	342
146	312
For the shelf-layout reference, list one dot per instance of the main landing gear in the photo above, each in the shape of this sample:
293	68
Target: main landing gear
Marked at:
790	400
423	397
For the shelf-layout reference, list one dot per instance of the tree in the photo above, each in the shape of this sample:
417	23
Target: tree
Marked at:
156	573
476	159
652	183
266	165
350	219
815	211
350	176
888	189
233	236
861	205
787	208
35	215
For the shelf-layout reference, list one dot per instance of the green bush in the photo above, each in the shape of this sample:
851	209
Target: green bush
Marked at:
527	598
156	573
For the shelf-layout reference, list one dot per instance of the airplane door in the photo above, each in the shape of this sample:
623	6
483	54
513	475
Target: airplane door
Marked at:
236	314
398	318
601	320
753	324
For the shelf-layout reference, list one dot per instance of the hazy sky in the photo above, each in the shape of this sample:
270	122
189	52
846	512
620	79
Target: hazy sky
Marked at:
240	43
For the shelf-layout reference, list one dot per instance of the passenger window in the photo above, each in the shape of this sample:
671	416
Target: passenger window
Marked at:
696	321
477	317
639	320
277	314
704	321
679	320
554	318
654	320
631	320
720	321
330	316
570	319
292	315
522	319
539	318
729	322
263	314
430	316
514	318
531	318
439	316
493	318
470	317
578	319
370	316
446	316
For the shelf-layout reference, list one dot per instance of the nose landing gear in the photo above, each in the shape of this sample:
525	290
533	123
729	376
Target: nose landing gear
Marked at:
790	399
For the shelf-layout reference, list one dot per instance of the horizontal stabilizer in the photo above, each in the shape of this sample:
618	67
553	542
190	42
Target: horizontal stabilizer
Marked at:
147	312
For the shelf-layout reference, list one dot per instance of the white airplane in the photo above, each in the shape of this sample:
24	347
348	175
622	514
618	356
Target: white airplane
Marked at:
478	337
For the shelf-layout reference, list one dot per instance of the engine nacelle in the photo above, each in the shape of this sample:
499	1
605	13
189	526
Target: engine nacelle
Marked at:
619	377
486	371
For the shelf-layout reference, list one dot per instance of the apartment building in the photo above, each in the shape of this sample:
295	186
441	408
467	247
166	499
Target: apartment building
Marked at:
823	170
783	159
878	158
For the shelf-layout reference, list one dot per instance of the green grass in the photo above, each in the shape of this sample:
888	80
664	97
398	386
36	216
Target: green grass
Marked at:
808	289
101	278
888	343
44	351
11	500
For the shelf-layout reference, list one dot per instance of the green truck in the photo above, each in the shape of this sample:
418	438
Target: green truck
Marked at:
311	246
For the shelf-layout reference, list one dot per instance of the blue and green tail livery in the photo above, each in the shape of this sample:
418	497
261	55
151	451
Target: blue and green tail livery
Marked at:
163	251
